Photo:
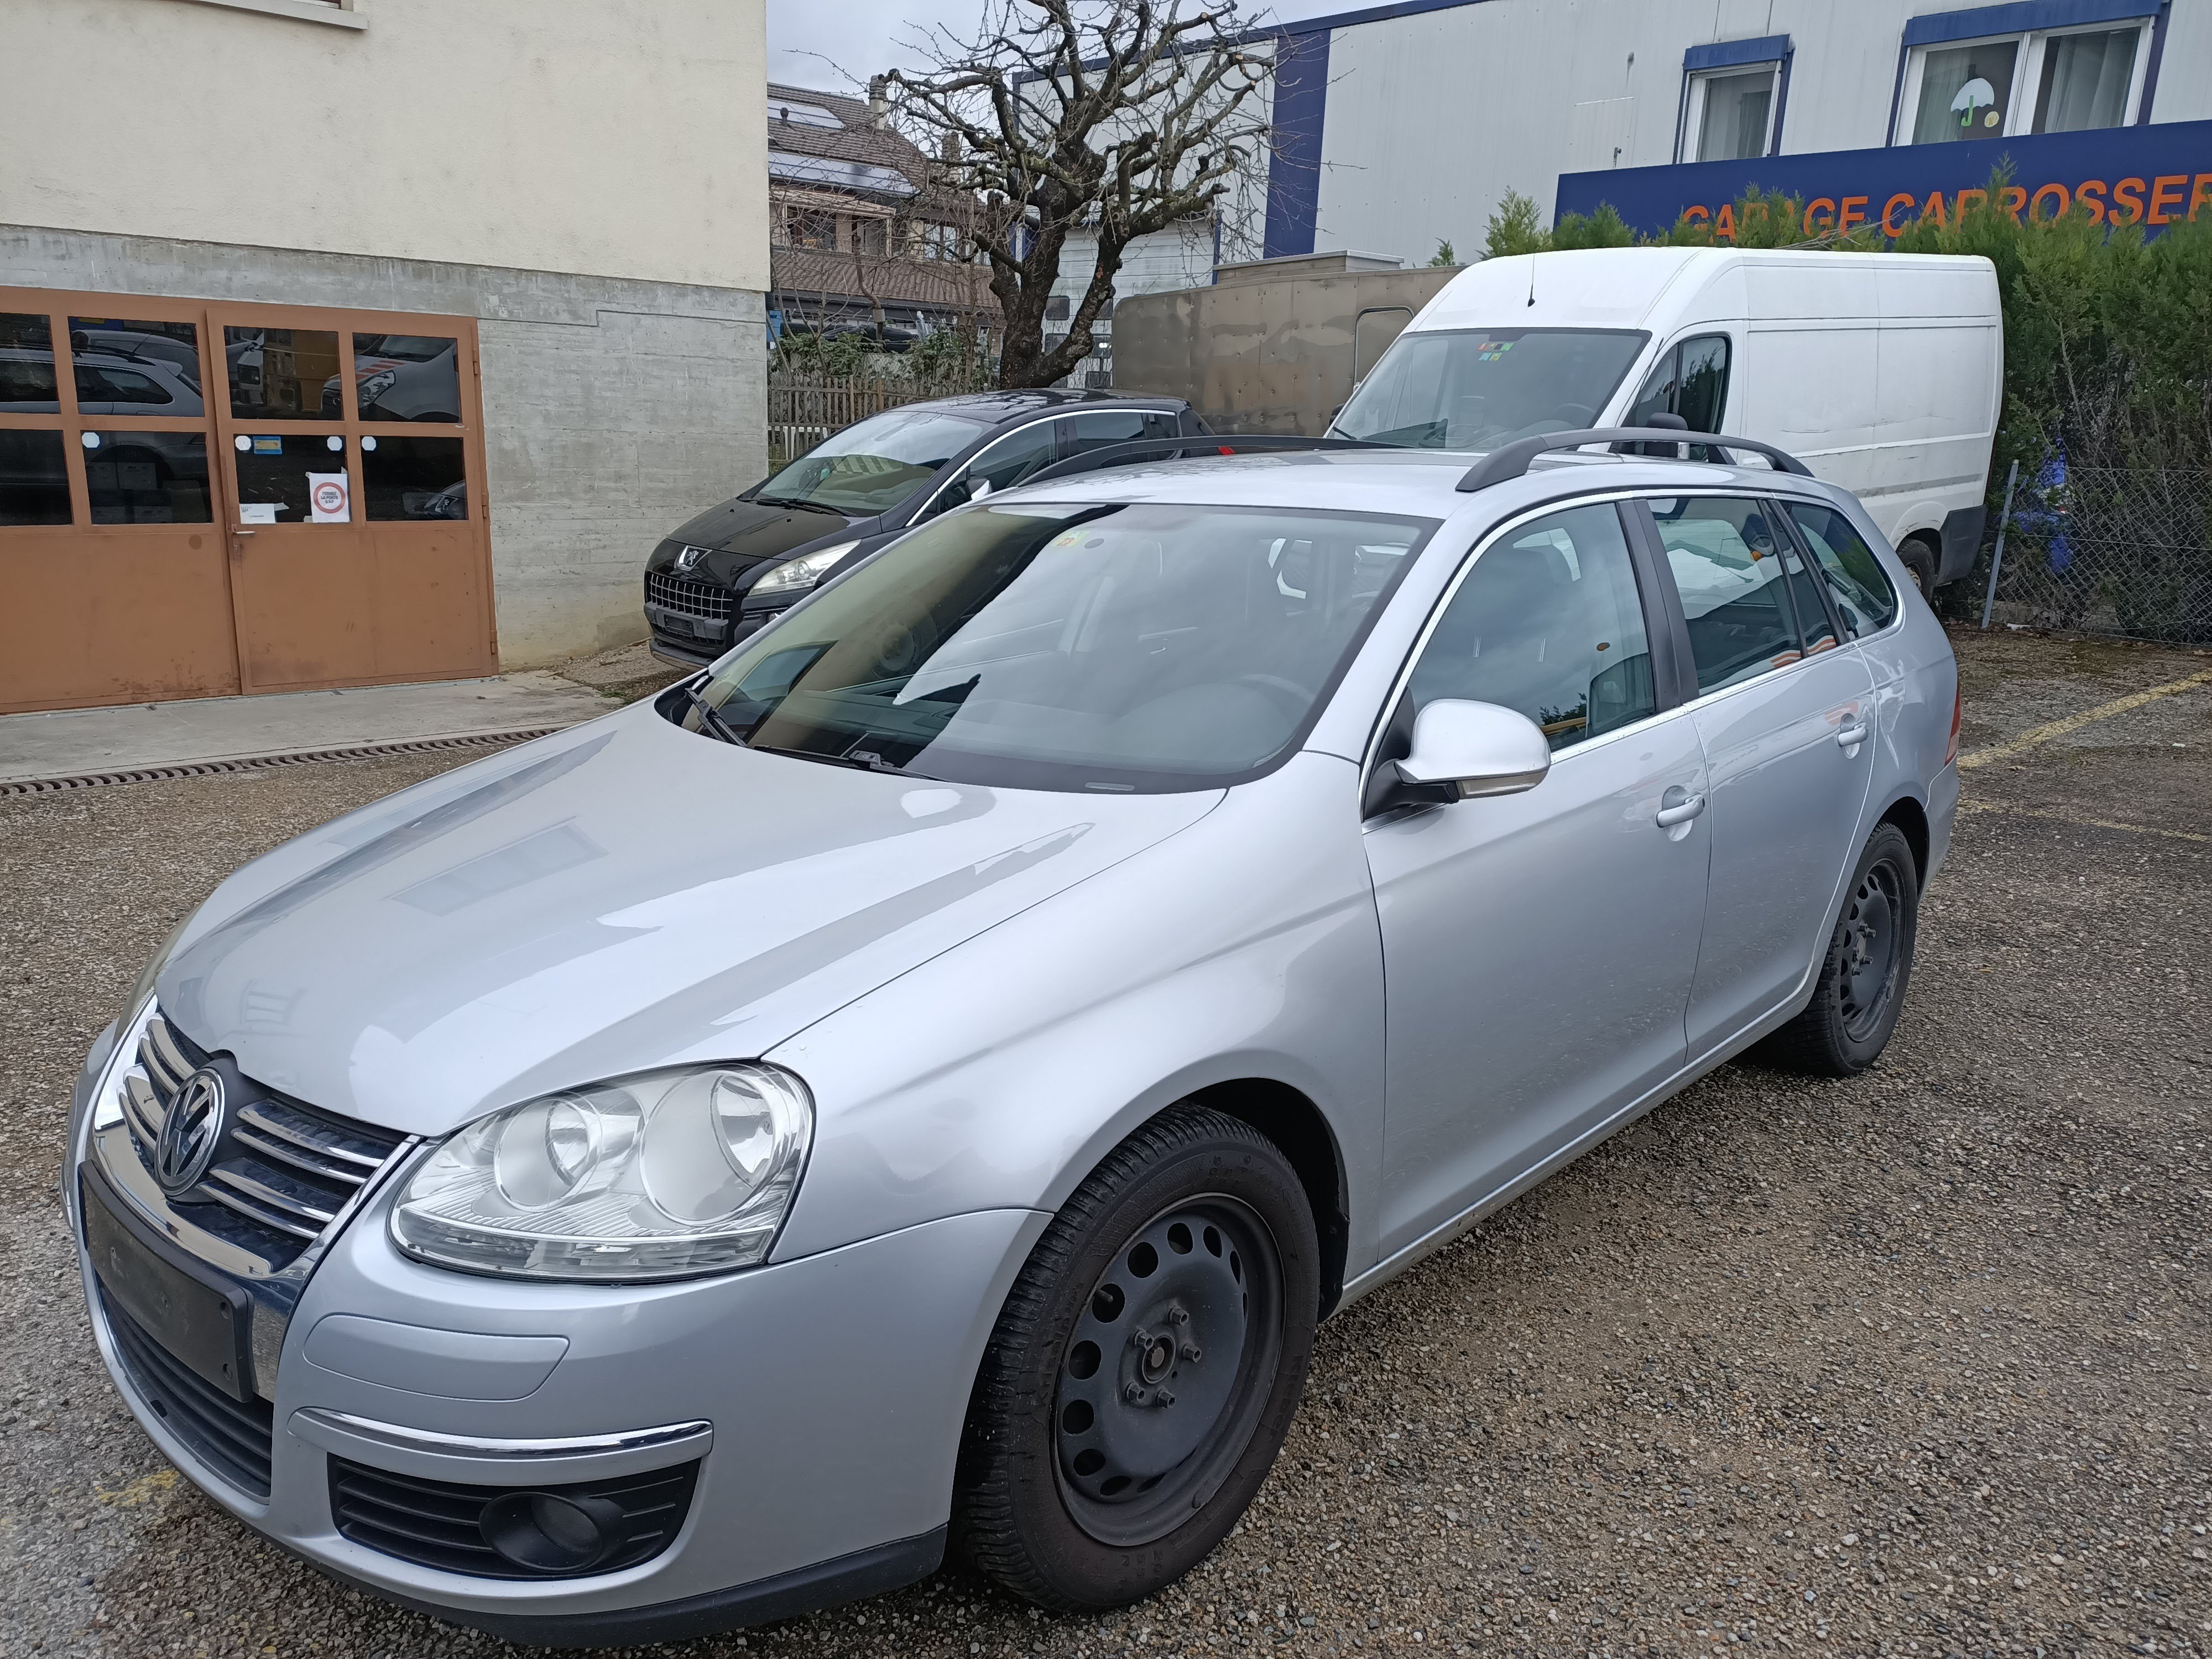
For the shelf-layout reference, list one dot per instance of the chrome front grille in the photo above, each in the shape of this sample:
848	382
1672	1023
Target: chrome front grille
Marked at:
687	597
283	1171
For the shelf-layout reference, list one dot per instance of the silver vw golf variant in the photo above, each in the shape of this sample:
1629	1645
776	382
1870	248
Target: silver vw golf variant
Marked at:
919	1083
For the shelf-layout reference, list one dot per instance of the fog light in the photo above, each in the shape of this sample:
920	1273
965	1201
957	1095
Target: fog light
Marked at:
548	1533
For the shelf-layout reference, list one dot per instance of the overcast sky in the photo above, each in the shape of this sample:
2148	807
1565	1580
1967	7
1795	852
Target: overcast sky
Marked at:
809	41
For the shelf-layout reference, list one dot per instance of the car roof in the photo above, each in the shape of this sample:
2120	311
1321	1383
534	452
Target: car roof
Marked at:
1417	483
999	407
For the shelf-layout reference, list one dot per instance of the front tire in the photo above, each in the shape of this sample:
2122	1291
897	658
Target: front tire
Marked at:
1144	1368
1863	977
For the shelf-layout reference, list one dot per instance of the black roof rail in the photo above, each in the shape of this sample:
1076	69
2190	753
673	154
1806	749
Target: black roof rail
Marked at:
1512	460
1184	448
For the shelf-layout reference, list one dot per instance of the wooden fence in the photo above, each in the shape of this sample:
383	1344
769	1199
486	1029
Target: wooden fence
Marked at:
803	411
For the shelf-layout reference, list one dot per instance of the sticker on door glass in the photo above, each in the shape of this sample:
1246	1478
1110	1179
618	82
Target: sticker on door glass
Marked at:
256	512
267	445
326	498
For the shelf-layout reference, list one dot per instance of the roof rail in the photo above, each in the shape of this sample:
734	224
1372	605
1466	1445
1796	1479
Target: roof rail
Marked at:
1512	460
1184	448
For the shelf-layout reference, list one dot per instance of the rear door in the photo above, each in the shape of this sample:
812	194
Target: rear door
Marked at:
1785	709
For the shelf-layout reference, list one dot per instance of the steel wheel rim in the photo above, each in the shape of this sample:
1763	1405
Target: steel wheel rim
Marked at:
1871	936
1153	1411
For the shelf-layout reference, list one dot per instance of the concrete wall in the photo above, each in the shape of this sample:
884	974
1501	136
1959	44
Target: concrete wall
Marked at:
614	410
616	137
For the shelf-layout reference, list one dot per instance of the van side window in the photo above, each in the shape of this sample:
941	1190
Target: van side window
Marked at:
1855	577
1725	559
1691	380
1548	622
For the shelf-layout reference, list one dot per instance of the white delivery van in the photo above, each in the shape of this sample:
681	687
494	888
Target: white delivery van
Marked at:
1883	372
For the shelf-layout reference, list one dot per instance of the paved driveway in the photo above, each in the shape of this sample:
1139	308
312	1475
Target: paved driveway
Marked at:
1913	1362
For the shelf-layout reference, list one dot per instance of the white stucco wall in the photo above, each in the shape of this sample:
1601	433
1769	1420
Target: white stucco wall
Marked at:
622	138
1432	117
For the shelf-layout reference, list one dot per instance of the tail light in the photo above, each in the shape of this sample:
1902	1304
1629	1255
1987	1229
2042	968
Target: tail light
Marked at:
1957	712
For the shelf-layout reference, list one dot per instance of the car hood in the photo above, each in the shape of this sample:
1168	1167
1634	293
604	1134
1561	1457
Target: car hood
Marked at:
623	896
747	530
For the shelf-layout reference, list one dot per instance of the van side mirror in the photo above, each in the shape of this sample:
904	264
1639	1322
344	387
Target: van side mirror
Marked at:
1472	749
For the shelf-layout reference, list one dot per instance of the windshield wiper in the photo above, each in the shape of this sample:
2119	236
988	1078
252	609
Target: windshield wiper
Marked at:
860	760
793	501
710	717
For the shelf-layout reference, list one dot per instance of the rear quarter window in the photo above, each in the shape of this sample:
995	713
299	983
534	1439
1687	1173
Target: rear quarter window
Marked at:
1854	574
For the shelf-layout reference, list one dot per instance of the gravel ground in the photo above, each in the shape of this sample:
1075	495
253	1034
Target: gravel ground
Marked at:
1909	1364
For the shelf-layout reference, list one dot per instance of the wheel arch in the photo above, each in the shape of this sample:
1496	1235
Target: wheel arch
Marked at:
1911	819
1301	1131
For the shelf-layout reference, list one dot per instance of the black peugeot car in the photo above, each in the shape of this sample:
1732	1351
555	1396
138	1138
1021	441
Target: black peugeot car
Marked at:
727	571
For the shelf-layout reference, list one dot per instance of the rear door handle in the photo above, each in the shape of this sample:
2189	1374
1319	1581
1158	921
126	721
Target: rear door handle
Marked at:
1851	736
1667	816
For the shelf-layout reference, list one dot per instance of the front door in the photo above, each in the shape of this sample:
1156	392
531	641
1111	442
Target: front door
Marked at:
347	455
1538	948
1784	710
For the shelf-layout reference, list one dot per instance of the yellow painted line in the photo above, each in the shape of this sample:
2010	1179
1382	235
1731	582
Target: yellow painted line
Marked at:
2103	711
2081	823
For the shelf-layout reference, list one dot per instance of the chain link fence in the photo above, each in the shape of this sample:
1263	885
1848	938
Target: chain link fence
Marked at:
2095	550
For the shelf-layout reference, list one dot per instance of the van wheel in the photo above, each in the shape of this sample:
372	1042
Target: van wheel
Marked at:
1861	990
1919	559
1144	1371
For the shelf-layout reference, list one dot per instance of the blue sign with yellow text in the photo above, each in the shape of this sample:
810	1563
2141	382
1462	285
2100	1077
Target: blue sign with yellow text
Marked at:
2150	176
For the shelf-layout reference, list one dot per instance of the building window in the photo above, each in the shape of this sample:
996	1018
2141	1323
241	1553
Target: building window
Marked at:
1732	114
803	115
1056	308
1733	92
2062	80
810	227
871	236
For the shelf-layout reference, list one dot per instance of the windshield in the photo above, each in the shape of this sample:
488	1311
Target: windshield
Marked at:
873	465
1145	647
1478	388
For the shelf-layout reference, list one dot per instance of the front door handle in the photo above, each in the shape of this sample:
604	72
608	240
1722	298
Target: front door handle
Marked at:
1850	737
1680	812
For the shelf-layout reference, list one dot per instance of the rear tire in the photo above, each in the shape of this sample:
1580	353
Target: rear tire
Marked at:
1861	985
1144	1368
1919	559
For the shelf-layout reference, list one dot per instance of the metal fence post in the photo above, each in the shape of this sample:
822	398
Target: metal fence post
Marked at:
1996	558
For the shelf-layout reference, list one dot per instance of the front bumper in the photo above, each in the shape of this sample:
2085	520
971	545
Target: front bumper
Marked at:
821	1399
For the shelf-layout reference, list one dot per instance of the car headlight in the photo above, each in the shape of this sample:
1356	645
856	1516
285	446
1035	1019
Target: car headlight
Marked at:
804	571
373	386
666	1175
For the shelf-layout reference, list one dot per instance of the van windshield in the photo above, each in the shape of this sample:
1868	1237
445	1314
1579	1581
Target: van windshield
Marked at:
1144	647
1477	388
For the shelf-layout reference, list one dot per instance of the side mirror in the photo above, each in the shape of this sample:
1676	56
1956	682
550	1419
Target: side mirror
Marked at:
978	488
1474	749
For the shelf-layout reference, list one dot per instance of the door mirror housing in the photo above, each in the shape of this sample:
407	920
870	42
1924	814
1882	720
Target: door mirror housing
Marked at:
1471	749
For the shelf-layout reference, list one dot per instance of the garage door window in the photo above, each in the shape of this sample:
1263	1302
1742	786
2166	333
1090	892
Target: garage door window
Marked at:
282	373
413	478
403	377
33	478
279	474
147	477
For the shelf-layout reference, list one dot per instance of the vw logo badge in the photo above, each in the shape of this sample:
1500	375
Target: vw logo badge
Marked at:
687	561
190	1132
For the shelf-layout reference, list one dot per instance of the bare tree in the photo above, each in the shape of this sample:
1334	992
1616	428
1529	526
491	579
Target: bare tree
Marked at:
1120	117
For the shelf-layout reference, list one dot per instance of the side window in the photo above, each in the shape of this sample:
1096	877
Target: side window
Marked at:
1547	622
1001	466
1691	380
1100	428
1724	556
1855	575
